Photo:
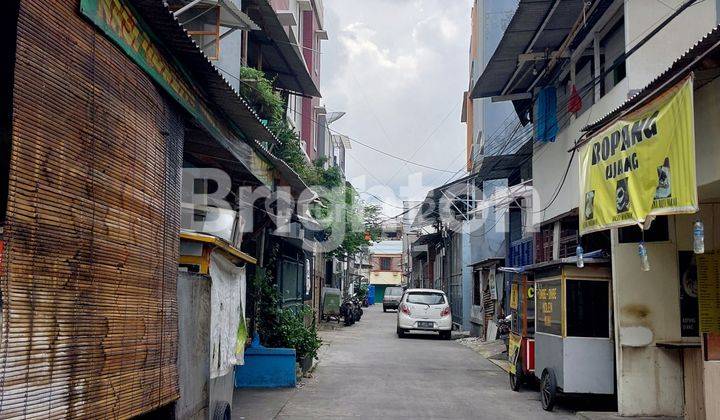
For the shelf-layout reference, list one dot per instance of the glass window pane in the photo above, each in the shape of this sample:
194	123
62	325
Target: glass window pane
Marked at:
588	308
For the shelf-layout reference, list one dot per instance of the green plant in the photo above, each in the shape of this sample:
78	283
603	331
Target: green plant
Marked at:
362	291
357	222
258	90
267	309
304	339
283	327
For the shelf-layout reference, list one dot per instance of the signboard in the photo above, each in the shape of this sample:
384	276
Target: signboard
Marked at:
688	294
549	307
119	22
514	296
708	292
491	283
641	165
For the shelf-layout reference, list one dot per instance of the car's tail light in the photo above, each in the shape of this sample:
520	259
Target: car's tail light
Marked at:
445	312
405	309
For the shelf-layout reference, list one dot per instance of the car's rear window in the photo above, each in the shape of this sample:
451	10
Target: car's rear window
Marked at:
393	291
426	298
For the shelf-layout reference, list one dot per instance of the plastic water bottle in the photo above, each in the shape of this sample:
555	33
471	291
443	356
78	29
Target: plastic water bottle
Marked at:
644	262
579	254
699	237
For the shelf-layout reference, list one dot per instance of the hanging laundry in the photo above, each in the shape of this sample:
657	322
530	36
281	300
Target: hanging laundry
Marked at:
546	124
575	102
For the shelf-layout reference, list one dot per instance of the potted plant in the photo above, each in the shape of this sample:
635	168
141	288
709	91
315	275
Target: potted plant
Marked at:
304	339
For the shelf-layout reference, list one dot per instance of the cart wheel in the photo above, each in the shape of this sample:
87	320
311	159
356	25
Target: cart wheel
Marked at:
222	411
517	378
548	390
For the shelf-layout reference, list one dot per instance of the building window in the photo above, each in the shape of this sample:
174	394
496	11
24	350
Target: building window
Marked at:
385	263
658	232
585	81
544	243
203	25
612	46
588	302
568	237
292	280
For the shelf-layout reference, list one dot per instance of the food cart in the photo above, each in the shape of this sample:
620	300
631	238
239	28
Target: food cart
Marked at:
521	345
574	349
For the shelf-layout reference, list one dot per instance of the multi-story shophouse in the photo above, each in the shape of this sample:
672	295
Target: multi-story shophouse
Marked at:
570	68
385	266
493	130
472	239
284	42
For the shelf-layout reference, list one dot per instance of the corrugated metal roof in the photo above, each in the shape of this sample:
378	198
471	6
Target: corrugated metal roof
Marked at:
526	22
386	247
205	75
283	58
681	67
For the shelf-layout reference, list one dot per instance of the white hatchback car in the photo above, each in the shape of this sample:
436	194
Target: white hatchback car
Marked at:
424	310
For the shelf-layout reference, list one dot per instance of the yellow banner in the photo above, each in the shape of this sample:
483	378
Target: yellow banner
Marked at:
641	165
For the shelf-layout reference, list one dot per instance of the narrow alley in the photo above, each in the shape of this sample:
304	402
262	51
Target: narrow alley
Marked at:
366	371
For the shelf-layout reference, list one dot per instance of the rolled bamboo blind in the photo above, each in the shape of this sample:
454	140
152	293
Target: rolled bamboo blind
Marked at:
90	265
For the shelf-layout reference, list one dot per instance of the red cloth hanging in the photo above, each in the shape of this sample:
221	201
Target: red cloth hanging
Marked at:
575	102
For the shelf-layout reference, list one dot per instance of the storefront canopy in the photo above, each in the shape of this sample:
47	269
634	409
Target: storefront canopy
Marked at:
538	26
280	55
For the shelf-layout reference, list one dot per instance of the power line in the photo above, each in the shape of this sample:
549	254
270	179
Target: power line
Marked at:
381	200
427	139
344	135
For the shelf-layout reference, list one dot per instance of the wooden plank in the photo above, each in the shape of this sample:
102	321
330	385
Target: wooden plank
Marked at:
693	378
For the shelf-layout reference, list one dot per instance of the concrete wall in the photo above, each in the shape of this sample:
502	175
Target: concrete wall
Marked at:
651	379
392	276
707	133
647	310
642	67
386	277
668	44
488	118
193	296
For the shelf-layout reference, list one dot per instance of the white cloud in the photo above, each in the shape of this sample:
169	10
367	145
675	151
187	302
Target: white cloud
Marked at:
398	68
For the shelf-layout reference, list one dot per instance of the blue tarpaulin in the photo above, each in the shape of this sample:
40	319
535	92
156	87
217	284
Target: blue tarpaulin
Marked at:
545	110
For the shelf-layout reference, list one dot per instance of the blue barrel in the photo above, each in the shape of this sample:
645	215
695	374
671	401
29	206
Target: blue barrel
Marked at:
371	294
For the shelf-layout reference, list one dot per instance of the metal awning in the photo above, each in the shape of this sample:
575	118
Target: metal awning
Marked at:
230	15
485	262
230	251
280	56
596	257
535	32
493	167
203	73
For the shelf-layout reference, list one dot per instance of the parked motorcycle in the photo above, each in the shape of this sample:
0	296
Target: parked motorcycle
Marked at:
503	332
351	310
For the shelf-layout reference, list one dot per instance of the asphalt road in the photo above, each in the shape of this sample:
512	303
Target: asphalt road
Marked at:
367	372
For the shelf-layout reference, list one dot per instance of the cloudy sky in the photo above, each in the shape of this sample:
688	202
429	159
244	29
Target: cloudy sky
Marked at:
398	68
